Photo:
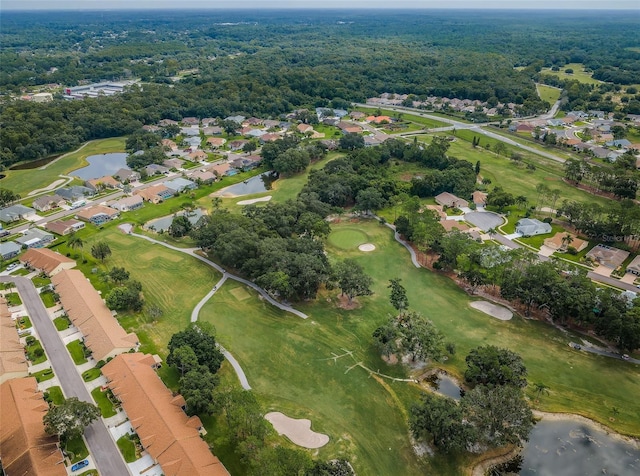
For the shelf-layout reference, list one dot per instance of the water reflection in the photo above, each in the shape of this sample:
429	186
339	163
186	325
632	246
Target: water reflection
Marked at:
101	165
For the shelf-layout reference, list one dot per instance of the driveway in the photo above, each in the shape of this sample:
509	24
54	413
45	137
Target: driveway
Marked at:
484	220
104	451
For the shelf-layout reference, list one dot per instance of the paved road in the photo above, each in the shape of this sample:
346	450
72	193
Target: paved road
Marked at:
192	252
612	282
606	353
104	451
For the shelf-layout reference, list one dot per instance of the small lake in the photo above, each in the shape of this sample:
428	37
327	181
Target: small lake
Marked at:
446	386
162	224
572	448
248	187
101	165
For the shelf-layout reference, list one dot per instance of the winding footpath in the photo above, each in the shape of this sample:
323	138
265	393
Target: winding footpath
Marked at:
225	275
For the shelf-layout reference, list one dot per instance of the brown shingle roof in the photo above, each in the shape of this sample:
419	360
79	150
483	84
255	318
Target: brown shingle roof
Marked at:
46	260
88	213
12	360
84	306
25	448
165	431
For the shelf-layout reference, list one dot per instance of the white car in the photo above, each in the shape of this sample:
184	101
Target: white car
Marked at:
12	266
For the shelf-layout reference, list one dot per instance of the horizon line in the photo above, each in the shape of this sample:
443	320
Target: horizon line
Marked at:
147	9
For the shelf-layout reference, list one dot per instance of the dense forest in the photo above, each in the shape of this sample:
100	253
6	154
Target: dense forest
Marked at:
267	63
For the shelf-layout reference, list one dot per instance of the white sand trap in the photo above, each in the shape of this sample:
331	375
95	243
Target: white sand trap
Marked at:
298	431
493	310
367	247
126	228
255	200
47	188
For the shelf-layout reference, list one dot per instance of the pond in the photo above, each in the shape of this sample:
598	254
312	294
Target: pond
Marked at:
253	185
162	224
447	386
101	165
573	448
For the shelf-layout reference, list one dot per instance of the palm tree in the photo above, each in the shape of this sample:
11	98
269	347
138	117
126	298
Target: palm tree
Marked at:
540	389
75	242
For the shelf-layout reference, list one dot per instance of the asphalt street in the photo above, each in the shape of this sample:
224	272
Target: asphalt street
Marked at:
104	451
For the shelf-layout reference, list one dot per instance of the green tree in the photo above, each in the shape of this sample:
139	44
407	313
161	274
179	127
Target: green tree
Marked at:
180	226
352	279
351	141
398	297
368	200
118	275
126	297
441	421
69	419
184	359
197	386
200	336
75	242
100	251
7	197
500	148
491	365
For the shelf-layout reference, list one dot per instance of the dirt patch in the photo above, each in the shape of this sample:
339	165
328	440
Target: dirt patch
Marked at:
367	247
298	431
493	310
343	303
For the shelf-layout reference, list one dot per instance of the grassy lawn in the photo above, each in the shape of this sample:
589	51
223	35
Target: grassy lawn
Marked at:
24	181
578	73
76	449
407	116
24	323
548	93
103	402
291	362
39	281
128	448
13	299
20	272
55	395
76	349
61	323
33	349
538	240
48	299
43	375
91	374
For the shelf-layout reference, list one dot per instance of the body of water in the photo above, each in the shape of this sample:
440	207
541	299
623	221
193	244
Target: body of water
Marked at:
446	386
163	223
248	187
101	165
571	448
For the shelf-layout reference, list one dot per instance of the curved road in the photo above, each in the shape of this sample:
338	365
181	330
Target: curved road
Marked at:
104	451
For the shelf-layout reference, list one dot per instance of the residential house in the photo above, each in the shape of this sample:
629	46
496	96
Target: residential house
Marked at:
237	119
304	128
532	227
561	241
524	127
191	121
16	213
155	193
190	131
450	225
212	130
238	144
208	121
348	128
619	143
197	156
173	163
607	256
221	169
13	363
167	122
634	266
330	144
64	227
74	193
167	434
98	214
379	119
179	185
47	202
256	133
150	128
46	261
600	152
479	198
155	169
271	123
169	144
126	175
102	183
203	176
357	115
102	333
128	204
35	238
252	121
437	209
270	138
216	142
25	447
371	141
583	147
447	199
9	249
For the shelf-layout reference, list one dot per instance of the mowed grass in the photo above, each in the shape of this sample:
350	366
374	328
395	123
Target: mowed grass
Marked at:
406	116
25	181
348	238
548	93
578	73
300	367
173	281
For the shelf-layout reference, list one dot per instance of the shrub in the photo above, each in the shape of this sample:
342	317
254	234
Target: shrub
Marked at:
30	340
39	352
547	220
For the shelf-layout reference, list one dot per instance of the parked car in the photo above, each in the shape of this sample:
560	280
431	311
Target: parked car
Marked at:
80	464
12	266
625	357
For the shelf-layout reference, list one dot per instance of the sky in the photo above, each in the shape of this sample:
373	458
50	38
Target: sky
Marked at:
324	4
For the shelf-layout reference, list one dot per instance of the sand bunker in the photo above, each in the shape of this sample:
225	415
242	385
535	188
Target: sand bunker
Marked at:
493	310
255	200
126	228
367	247
298	431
